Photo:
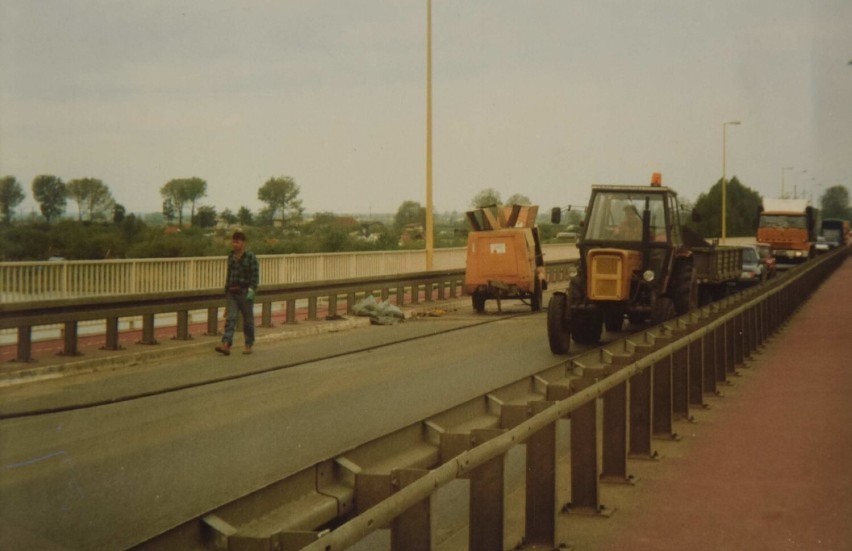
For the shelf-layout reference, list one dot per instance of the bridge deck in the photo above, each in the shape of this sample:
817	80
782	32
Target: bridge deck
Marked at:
766	466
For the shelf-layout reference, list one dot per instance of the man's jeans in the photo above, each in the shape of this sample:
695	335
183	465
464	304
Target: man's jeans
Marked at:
237	302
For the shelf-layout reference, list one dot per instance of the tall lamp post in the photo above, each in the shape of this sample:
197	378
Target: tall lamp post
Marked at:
724	183
430	245
782	180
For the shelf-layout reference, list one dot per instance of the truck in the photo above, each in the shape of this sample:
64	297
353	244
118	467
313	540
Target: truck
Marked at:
788	226
638	263
504	257
834	230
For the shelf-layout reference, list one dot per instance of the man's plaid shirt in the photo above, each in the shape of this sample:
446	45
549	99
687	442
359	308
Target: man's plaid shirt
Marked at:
243	272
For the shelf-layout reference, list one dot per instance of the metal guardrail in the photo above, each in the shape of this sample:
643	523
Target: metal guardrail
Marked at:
403	289
628	392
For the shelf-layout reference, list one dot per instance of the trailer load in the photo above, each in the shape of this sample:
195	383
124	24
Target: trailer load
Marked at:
637	263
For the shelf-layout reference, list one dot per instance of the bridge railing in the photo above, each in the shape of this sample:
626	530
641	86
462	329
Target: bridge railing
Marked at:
69	313
30	281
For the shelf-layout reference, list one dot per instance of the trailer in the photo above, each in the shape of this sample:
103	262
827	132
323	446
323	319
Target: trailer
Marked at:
504	257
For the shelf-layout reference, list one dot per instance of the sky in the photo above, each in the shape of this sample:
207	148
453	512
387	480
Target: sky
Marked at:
539	97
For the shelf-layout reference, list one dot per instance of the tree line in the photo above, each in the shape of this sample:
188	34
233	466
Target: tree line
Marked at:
103	229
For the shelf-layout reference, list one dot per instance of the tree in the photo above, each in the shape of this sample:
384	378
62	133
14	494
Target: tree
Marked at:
91	196
741	215
408	213
206	217
194	189
182	191
228	217
835	203
51	195
11	195
518	199
118	213
169	210
245	217
281	196
486	198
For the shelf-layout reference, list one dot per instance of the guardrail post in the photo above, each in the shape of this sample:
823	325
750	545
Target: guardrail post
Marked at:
680	383
696	372
413	530
640	415
540	527
212	321
112	341
291	310
148	330
25	344
719	354
312	308
585	457
183	326
332	305
350	302
266	314
486	530
749	332
70	338
400	294
730	346
661	401
614	460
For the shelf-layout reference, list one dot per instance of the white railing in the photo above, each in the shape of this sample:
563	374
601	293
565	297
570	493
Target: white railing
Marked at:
28	281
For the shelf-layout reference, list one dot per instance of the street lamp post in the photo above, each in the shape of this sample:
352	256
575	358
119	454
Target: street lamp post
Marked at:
782	180
724	183
430	246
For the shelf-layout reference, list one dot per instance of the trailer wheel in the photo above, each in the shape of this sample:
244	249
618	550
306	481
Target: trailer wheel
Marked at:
558	324
535	299
478	300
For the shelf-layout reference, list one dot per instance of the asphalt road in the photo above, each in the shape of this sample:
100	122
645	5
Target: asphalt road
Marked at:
114	475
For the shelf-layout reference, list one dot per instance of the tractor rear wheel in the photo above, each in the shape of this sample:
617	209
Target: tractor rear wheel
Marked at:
682	292
663	310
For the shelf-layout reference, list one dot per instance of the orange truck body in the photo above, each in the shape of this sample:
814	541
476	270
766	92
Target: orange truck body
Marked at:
787	226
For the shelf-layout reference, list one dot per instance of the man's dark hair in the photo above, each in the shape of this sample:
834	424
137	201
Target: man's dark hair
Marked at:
238	235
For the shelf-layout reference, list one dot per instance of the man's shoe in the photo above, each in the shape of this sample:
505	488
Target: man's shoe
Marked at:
247	350
224	349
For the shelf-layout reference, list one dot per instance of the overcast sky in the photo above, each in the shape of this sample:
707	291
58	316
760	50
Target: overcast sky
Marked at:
538	97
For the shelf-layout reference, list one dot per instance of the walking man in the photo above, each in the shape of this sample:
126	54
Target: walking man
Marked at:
240	286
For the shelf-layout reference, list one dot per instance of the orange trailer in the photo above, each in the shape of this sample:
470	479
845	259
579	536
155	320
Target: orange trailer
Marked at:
504	258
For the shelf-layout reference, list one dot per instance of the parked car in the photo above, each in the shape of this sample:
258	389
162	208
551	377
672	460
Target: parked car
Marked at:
753	270
769	261
821	245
